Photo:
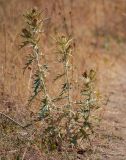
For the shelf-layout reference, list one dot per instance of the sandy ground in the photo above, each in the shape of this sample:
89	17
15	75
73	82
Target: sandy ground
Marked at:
114	118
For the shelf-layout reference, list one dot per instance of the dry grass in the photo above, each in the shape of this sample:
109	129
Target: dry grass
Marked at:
99	30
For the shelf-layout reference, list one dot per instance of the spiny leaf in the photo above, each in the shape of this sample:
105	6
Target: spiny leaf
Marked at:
33	97
37	84
44	111
59	98
29	62
26	33
59	76
25	43
64	88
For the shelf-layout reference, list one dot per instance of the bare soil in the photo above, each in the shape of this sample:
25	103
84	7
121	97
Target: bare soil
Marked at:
114	118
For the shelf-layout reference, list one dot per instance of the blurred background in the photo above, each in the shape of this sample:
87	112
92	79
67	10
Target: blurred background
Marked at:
97	26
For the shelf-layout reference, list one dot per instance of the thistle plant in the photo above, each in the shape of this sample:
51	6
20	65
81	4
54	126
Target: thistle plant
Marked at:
31	35
66	122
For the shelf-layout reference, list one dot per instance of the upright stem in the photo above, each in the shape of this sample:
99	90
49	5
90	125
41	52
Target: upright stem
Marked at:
68	92
41	71
67	81
42	75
